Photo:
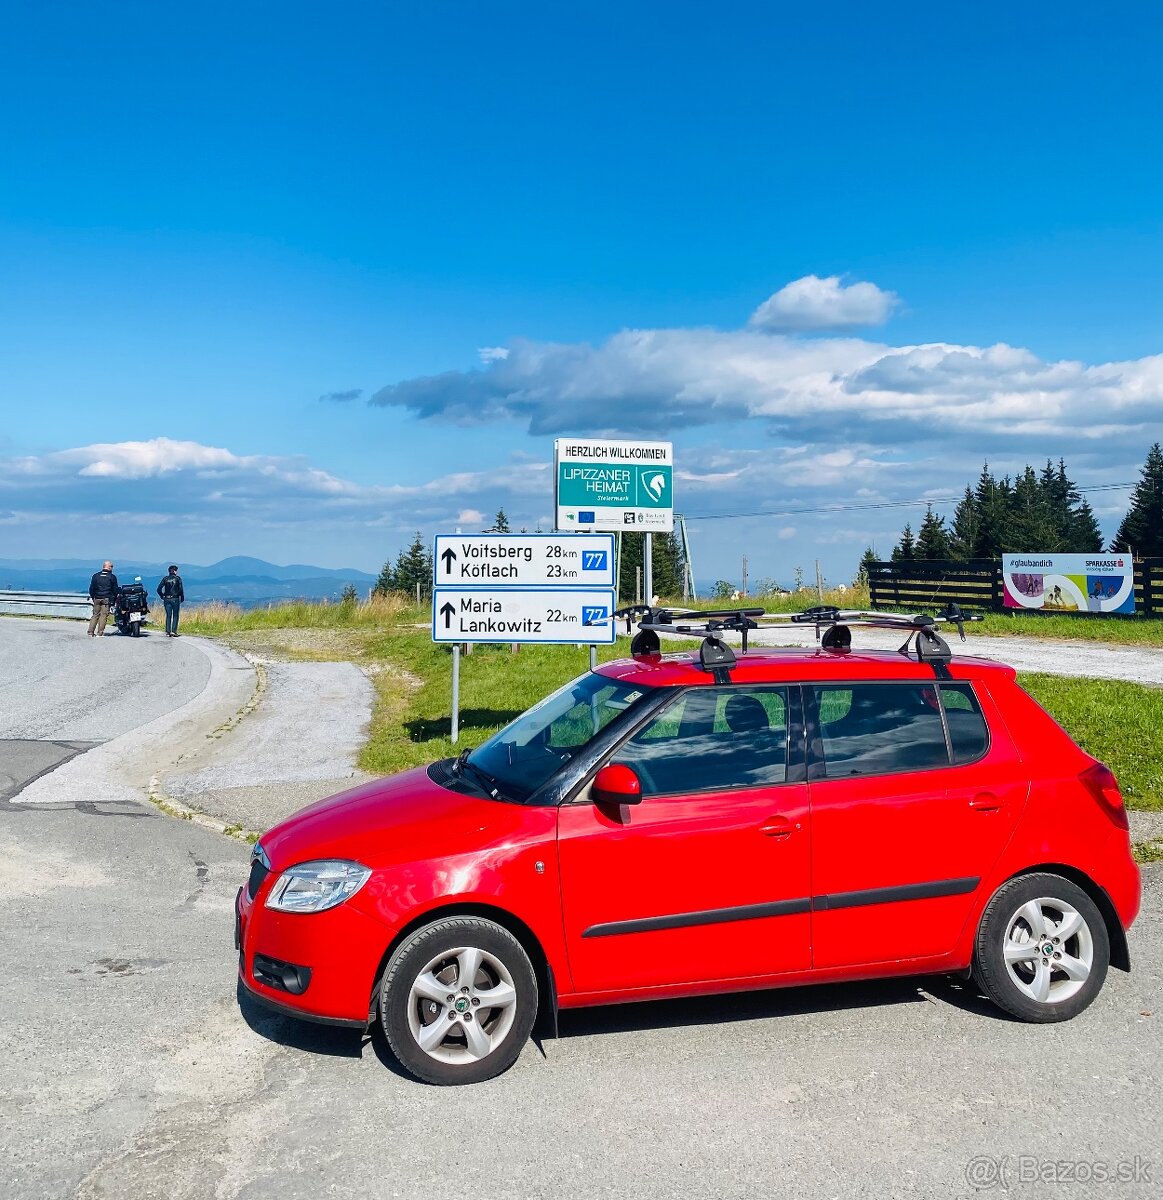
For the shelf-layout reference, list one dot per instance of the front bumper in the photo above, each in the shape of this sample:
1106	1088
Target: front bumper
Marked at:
333	956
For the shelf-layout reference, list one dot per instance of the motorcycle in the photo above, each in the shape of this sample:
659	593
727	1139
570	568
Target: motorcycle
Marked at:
131	608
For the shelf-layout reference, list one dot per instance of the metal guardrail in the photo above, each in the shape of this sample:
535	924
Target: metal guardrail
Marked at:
47	604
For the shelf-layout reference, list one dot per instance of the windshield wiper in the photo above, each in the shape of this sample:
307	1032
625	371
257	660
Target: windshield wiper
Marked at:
463	764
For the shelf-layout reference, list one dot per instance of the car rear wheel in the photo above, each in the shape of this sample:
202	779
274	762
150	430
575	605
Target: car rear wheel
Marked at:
1042	949
458	1001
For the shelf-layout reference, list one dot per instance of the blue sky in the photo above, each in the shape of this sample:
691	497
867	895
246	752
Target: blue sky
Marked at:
212	217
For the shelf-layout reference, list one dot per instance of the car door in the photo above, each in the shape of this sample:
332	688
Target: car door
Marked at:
913	797
707	877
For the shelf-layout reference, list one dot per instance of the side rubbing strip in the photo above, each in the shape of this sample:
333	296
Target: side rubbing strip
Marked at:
710	916
888	895
784	908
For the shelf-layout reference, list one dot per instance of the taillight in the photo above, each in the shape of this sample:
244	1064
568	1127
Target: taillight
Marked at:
1100	781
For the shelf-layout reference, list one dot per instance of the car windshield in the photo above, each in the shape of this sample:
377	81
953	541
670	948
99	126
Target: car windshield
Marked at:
519	759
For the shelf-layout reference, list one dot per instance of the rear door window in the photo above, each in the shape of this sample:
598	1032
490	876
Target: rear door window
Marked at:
880	729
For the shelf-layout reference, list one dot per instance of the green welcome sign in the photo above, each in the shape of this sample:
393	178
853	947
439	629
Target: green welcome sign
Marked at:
606	485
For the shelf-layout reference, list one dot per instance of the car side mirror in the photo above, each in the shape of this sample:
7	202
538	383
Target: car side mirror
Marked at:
616	783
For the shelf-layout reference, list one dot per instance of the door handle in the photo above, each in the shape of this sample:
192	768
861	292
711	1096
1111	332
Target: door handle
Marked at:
986	802
777	827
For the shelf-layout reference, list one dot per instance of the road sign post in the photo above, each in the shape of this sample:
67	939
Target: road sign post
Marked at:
536	588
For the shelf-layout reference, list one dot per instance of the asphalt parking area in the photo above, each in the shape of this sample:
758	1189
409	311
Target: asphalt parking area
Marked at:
22	761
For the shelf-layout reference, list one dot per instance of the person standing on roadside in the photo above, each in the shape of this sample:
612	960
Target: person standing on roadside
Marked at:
102	591
173	594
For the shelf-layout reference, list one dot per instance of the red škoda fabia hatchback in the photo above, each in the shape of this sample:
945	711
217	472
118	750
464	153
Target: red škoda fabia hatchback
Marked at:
653	829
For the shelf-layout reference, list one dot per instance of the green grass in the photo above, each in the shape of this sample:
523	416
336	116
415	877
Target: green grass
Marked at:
216	618
1127	631
1149	852
1119	723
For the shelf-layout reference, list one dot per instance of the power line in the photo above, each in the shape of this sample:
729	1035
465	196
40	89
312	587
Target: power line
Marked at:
882	504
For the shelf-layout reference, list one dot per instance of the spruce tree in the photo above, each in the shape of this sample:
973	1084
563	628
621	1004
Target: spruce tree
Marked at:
932	537
666	565
864	571
414	566
1085	534
1031	526
386	580
1141	531
964	531
500	523
906	549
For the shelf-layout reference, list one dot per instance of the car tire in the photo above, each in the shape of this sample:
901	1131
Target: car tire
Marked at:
1042	949
434	1001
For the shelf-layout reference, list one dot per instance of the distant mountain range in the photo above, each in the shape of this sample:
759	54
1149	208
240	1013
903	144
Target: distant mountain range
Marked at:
241	579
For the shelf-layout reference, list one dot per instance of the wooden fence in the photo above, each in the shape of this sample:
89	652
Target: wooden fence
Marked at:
924	584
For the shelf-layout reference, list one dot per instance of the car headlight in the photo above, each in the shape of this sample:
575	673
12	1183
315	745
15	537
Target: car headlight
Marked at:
314	886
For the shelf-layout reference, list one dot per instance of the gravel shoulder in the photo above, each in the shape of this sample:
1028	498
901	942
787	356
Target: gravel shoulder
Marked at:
299	744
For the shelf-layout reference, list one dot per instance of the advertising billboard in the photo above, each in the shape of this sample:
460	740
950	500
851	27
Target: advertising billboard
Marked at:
1069	582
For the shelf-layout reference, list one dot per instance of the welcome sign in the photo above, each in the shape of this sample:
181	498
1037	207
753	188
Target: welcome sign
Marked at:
605	485
1069	582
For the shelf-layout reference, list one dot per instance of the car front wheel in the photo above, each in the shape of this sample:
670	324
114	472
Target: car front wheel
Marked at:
1042	948
458	1001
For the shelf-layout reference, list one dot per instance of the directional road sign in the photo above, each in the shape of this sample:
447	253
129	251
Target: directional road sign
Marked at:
518	614
603	485
523	560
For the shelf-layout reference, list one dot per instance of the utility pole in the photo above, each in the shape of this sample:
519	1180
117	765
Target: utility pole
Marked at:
688	571
819	582
744	591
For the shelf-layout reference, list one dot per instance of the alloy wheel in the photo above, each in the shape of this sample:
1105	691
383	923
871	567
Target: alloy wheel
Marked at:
1048	950
462	1005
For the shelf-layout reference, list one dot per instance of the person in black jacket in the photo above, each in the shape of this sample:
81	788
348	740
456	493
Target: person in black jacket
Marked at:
102	591
173	594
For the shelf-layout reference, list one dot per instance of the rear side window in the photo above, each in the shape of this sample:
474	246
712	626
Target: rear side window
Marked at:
886	728
712	739
968	734
880	729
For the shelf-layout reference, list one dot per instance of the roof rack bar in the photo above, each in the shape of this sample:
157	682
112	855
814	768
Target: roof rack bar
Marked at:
716	656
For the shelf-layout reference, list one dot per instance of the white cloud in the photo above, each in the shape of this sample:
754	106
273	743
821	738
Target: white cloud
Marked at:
469	516
491	354
815	303
786	533
811	392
